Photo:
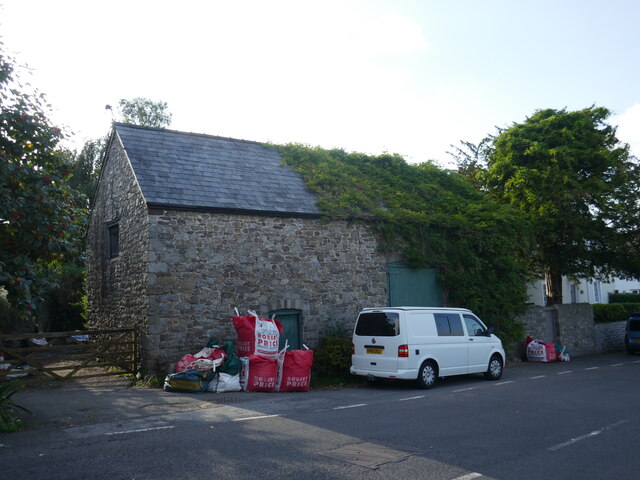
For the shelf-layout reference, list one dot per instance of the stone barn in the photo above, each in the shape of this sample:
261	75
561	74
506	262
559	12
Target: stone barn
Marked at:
186	227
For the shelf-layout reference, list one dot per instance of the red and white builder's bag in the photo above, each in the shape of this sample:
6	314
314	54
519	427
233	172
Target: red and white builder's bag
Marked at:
294	370
260	336
259	373
538	351
184	362
206	359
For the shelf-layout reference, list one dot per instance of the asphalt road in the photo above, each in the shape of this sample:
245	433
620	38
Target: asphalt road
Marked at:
575	420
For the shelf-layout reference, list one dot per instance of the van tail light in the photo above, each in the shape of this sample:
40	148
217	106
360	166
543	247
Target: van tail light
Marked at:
403	351
353	349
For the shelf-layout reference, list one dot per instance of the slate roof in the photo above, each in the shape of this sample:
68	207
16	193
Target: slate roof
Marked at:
203	172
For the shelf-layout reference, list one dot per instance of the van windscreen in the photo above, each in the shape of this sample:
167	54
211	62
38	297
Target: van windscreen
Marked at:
378	324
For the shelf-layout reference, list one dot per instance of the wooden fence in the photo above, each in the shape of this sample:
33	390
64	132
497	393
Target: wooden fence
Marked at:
79	354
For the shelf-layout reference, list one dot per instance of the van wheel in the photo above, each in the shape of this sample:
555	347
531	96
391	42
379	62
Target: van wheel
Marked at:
494	371
428	374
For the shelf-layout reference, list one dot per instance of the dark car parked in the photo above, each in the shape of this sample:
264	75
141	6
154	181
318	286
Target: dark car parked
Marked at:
632	333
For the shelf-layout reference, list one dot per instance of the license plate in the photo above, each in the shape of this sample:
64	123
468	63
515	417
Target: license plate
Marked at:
374	351
635	340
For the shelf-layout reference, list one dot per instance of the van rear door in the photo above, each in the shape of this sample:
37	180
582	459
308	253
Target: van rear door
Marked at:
376	339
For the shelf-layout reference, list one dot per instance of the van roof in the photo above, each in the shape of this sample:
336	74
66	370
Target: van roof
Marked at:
434	309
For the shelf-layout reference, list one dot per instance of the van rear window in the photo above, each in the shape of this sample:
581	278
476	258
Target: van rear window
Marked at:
378	324
634	325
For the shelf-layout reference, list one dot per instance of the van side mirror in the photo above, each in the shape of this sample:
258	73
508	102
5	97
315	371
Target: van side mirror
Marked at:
490	331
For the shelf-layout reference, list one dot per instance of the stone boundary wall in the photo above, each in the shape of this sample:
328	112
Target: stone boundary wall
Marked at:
534	322
577	328
574	327
610	336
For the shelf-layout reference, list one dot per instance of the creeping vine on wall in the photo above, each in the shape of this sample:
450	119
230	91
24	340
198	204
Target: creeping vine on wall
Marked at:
433	218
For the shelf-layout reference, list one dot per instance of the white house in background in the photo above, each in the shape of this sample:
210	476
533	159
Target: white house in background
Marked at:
584	291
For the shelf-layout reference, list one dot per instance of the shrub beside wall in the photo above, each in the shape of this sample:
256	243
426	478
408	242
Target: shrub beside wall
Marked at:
624	298
614	312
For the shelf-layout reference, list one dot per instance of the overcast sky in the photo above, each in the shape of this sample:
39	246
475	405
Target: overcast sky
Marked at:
403	76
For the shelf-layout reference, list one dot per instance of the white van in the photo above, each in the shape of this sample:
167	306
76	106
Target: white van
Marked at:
423	343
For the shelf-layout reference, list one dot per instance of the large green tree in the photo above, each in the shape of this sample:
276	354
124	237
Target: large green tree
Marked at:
87	168
577	183
145	112
41	220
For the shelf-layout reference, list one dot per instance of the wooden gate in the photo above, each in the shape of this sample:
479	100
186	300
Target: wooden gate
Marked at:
66	354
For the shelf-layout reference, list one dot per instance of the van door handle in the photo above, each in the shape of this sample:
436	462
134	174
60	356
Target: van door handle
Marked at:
471	339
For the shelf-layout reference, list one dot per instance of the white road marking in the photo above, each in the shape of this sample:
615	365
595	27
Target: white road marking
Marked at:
504	383
254	418
140	430
350	406
586	436
592	368
469	476
539	376
410	398
616	364
565	372
463	390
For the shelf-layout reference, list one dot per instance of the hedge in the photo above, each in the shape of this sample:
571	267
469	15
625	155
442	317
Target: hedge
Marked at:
614	312
624	298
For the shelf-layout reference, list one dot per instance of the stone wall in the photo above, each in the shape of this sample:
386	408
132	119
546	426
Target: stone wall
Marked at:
576	328
572	323
202	265
610	337
117	286
534	323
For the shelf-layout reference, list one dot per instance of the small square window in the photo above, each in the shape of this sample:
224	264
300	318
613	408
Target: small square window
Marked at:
113	240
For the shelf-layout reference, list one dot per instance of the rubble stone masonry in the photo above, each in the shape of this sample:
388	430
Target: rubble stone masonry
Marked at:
574	327
116	293
202	265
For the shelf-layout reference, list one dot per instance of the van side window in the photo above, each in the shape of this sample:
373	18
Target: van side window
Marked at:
474	327
448	325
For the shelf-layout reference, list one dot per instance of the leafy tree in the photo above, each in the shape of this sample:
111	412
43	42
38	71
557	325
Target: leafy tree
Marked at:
579	187
472	159
145	112
87	168
40	219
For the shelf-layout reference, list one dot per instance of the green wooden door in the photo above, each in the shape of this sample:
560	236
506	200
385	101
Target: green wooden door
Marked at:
290	320
416	287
